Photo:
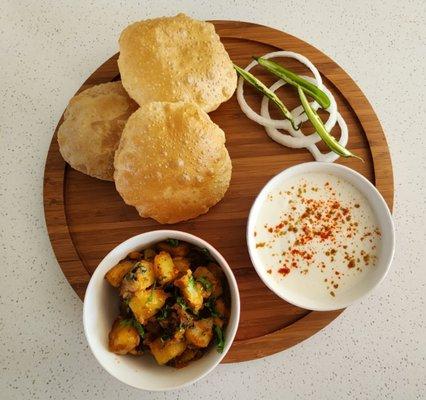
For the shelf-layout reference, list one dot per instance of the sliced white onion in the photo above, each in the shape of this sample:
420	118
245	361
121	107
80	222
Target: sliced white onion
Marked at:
296	139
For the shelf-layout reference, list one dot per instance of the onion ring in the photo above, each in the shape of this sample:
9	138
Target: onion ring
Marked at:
296	139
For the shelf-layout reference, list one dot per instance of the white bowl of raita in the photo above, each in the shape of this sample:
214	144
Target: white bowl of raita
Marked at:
320	236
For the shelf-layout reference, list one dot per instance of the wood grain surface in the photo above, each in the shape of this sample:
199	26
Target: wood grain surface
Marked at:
86	217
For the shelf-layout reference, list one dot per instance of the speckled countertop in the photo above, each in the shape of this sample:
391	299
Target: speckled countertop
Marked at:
375	350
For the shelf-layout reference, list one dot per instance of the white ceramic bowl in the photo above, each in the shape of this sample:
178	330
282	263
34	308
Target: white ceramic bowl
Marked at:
381	211
101	308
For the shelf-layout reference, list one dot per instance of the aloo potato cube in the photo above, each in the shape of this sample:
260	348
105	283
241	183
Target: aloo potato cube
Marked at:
146	303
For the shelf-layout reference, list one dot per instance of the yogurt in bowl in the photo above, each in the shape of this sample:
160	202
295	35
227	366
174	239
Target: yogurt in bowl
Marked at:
320	236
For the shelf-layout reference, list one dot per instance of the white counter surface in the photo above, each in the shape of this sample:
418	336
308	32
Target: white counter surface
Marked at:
375	350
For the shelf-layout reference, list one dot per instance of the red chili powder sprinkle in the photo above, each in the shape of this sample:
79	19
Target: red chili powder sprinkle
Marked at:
325	234
324	220
284	270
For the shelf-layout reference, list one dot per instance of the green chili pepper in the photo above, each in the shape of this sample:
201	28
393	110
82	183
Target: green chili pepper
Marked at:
328	139
295	80
250	78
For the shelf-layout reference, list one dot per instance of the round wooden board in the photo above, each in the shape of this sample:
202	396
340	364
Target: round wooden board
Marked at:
86	217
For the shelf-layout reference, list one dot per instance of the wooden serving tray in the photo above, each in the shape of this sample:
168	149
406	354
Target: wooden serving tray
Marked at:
86	217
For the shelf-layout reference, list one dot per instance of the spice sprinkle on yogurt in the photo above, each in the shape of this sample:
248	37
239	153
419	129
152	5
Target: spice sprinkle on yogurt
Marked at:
318	233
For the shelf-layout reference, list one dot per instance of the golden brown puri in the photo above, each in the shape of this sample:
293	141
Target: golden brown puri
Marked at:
172	163
175	59
93	123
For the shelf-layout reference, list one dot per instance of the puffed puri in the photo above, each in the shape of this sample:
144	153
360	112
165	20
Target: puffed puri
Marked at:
92	127
175	59
172	163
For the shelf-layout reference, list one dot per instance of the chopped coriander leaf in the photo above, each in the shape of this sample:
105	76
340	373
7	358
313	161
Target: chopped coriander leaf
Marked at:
125	309
181	302
164	313
130	276
219	339
209	304
126	322
140	267
191	281
135	324
151	295
205	282
172	242
207	254
166	336
138	326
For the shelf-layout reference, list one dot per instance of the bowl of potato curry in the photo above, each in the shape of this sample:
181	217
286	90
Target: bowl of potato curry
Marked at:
163	304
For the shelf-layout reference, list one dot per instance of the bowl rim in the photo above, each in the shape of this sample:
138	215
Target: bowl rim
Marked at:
317	166
234	318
